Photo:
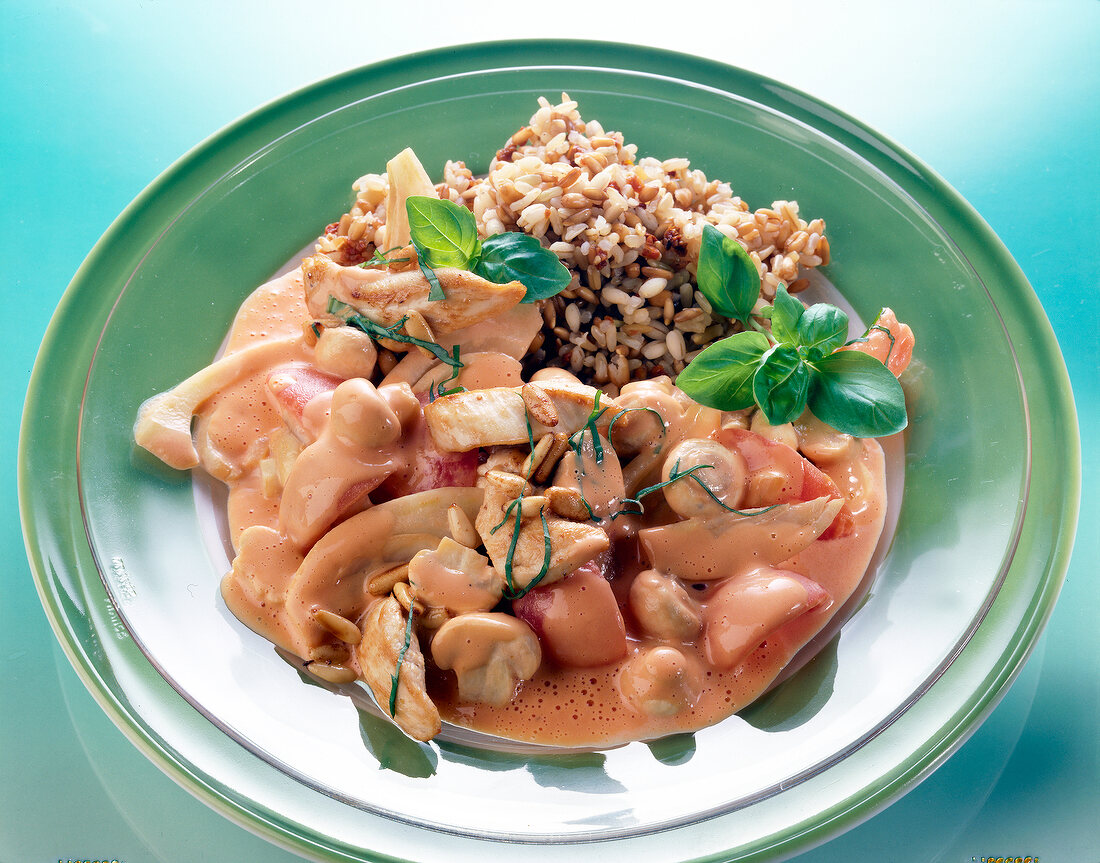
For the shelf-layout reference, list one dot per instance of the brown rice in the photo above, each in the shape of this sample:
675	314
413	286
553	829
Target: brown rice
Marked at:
628	230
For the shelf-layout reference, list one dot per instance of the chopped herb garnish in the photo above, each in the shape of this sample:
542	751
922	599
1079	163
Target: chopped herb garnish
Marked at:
395	678
591	514
527	420
381	259
576	442
675	476
393	331
507	512
516	506
438	390
875	325
624	411
435	290
510	589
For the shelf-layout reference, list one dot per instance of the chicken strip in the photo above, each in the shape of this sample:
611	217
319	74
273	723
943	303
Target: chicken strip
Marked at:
384	297
384	655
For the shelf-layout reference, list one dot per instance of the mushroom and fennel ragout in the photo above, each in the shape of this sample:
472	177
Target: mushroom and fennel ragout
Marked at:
532	552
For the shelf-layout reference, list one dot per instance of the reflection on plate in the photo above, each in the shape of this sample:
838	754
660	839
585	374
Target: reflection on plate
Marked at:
129	577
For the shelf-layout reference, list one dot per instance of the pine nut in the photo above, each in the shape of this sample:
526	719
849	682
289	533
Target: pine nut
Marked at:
338	625
462	529
383	582
540	407
568	503
558	446
534	461
531	506
404	596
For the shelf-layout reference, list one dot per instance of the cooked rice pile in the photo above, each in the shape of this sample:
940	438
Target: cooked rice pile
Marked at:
629	231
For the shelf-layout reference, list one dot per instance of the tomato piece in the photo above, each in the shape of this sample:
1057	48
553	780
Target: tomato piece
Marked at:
576	619
433	469
429	467
746	609
890	342
293	388
786	476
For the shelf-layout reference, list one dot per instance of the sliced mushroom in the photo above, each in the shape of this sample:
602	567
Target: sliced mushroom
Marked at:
778	474
255	587
384	655
335	572
682	416
385	298
345	352
785	433
714	480
821	443
491	653
333	475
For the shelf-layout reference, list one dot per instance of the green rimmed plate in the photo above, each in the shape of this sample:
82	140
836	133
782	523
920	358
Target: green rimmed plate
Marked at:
128	574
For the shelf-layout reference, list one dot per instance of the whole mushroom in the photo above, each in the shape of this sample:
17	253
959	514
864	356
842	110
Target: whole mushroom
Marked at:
716	486
490	652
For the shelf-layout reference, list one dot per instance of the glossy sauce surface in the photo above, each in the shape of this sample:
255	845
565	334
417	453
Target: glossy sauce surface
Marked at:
660	685
583	706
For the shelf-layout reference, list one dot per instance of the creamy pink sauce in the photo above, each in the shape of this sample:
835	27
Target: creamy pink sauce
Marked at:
559	705
580	706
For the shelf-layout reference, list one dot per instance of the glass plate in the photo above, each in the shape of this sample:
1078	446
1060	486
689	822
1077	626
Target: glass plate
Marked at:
122	552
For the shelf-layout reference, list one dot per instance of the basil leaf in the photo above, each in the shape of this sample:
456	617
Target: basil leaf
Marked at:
520	257
786	313
721	375
781	384
822	329
855	393
444	233
726	275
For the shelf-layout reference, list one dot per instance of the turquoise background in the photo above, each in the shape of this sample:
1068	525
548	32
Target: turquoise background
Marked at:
1002	99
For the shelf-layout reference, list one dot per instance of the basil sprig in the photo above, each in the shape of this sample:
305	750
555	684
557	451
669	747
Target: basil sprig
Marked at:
799	368
445	235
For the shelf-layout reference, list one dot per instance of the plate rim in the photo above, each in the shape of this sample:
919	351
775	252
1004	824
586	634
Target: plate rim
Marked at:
480	57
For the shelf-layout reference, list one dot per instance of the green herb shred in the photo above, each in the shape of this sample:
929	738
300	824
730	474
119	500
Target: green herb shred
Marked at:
393	331
576	442
675	476
395	678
